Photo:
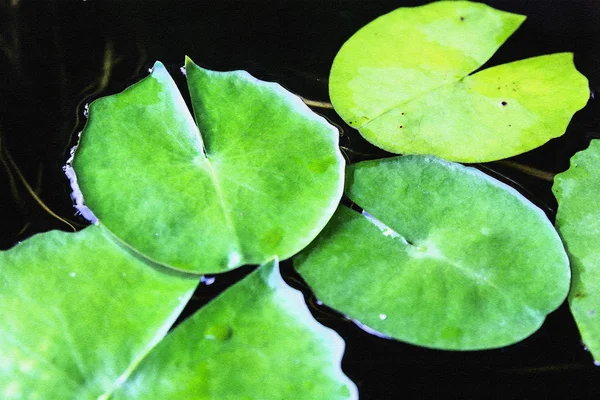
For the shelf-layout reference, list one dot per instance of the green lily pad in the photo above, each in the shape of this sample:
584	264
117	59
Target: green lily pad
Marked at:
79	312
578	221
255	341
403	81
263	180
443	256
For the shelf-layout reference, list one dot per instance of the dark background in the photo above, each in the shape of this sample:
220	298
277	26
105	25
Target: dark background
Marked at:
56	56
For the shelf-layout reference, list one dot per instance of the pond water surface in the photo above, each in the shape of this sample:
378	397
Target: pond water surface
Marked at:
56	56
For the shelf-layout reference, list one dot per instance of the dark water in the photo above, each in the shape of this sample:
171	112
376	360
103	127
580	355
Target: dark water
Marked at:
52	62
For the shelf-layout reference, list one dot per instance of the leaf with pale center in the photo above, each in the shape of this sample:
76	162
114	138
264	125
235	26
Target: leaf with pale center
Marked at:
443	256
257	340
79	311
406	82
578	220
262	180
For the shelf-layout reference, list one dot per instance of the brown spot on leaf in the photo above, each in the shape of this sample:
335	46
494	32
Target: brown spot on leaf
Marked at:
579	295
462	18
504	103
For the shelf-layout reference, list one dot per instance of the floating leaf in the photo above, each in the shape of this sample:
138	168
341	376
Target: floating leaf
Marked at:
264	182
78	312
256	341
578	221
443	256
403	80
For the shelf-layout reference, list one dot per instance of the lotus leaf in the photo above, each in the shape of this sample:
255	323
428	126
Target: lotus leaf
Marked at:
442	256
79	311
578	221
406	82
262	180
255	341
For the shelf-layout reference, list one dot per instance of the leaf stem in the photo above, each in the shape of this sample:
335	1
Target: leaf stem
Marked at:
317	104
546	368
96	87
537	173
11	178
6	156
102	82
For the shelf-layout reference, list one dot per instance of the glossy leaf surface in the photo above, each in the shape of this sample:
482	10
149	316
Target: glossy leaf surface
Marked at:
403	81
255	341
78	312
444	256
262	180
578	221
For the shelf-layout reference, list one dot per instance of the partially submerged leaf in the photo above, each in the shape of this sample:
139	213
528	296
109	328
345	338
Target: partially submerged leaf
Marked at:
255	341
78	312
264	182
443	256
403	81
578	221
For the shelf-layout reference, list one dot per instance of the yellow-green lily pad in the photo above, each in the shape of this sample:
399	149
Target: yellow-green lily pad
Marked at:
406	82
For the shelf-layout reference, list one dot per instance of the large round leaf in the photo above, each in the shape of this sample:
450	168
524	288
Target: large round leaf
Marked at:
78	312
256	341
264	182
578	221
403	80
443	256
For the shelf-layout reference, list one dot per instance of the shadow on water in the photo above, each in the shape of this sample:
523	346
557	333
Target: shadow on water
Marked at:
57	56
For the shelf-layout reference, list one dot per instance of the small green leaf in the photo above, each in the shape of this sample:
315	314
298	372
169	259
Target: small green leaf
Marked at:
578	222
443	256
264	182
79	312
255	341
403	80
